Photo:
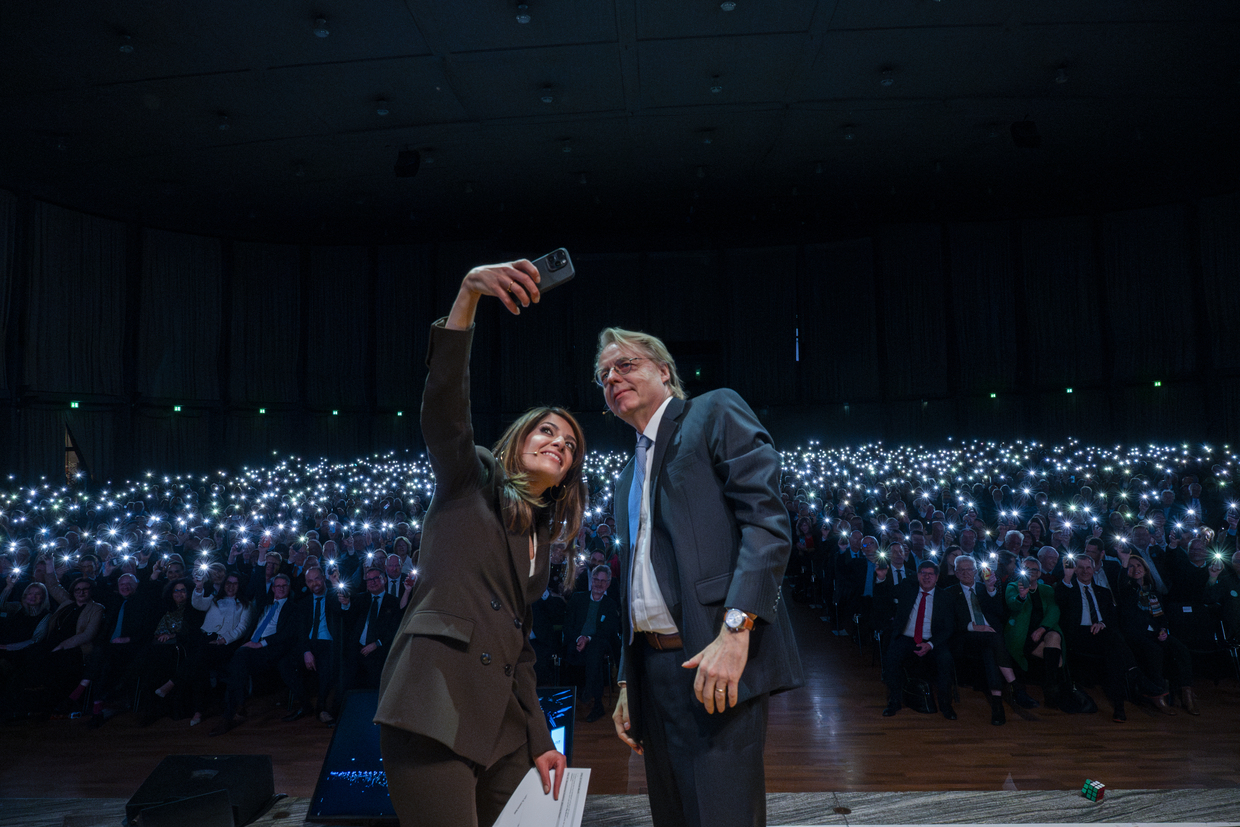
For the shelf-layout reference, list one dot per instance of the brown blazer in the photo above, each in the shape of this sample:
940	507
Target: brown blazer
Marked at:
88	621
461	668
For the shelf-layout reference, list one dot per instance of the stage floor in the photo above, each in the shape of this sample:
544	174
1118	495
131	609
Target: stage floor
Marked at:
1218	808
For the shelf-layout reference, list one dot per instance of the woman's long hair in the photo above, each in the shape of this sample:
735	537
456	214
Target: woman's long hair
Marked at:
45	605
562	505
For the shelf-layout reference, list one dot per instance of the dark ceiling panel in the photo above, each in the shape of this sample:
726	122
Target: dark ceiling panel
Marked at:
660	20
753	69
493	26
512	84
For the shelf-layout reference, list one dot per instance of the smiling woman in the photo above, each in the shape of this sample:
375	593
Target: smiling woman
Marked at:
484	560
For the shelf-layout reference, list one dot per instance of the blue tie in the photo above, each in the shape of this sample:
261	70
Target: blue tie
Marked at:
120	620
262	626
635	493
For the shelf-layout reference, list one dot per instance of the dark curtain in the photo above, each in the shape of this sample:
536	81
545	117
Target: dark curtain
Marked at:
1149	294
179	328
76	313
173	441
256	439
405	299
608	291
339	327
762	308
265	331
1063	304
836	319
986	333
1220	265
910	273
8	227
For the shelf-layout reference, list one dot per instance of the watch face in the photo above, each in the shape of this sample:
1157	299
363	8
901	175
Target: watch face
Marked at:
734	619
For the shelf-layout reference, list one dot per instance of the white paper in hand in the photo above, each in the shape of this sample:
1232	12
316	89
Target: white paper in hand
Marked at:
529	806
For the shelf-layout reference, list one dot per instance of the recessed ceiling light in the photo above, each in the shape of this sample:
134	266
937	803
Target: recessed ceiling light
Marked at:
523	13
222	121
727	5
320	27
382	107
888	78
1061	76
126	44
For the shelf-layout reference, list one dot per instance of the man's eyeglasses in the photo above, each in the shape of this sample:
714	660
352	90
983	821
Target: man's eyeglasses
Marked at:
622	368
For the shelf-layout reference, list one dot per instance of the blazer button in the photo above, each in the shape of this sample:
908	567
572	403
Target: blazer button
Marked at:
507	668
516	621
495	605
486	659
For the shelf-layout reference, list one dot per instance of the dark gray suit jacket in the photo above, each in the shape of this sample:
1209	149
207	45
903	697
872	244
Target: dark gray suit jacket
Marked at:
719	537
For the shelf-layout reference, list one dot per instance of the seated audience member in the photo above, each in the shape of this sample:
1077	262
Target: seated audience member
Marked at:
979	616
372	623
126	630
22	625
947	567
320	635
1157	562
226	619
1091	626
923	622
57	660
1223	589
274	636
1049	569
1144	624
592	632
163	663
1033	630
1107	570
1189	573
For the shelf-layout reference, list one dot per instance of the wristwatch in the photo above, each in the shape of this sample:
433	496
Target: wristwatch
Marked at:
737	621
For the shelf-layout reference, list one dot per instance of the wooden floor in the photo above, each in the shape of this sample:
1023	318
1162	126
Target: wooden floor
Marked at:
827	736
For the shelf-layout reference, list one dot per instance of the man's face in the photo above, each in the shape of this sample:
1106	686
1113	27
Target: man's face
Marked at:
927	578
315	582
280	588
1085	569
597	559
1141	536
966	571
176	570
392	566
599	582
375	582
636	396
126	586
1048	559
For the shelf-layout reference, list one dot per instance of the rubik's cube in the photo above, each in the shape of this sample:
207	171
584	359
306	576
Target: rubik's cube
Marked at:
1093	790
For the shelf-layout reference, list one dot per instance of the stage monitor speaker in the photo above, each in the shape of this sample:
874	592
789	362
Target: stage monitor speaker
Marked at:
352	787
247	780
210	810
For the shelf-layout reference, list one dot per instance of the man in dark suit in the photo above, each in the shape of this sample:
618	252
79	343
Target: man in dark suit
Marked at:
273	637
592	629
1090	623
924	619
320	638
706	540
373	623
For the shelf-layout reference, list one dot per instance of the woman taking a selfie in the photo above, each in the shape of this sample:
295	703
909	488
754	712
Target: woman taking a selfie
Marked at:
461	722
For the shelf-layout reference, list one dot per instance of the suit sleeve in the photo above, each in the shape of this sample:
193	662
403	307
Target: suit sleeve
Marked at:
748	467
446	423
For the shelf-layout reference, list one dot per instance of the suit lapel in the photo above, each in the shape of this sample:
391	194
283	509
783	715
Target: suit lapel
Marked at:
661	554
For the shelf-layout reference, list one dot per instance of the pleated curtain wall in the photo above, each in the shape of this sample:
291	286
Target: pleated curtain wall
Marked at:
913	332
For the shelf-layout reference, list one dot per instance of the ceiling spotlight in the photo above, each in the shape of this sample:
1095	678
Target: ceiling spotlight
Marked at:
581	179
382	107
300	170
888	77
716	87
818	168
547	97
61	145
728	5
701	172
850	132
1061	76
320	27
222	121
523	13
469	187
126	44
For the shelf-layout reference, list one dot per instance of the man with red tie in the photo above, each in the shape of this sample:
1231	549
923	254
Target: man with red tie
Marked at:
924	619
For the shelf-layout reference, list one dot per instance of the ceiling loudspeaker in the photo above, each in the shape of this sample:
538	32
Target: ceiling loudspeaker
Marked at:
1025	134
407	162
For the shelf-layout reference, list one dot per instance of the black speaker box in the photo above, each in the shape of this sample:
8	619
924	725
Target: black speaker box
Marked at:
210	810
246	779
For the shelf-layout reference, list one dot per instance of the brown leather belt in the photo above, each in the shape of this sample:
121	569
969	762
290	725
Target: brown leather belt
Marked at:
662	642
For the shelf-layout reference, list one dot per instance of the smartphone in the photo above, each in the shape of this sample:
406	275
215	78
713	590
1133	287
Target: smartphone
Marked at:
555	268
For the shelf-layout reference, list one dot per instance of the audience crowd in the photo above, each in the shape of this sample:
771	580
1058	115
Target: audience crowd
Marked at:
1006	565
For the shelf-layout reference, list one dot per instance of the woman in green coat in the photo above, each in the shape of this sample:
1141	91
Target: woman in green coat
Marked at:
1032	630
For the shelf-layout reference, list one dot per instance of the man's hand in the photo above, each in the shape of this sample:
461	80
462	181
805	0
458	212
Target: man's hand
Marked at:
308	658
1096	628
982	627
719	667
922	649
369	649
581	642
120	640
621	719
548	761
252	644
